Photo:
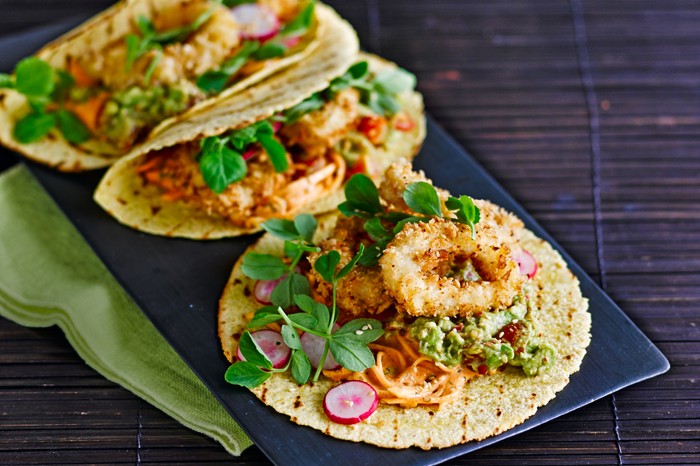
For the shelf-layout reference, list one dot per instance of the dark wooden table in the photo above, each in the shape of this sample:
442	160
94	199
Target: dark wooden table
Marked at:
587	111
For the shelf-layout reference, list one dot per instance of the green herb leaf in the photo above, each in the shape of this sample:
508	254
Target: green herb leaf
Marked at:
301	366
351	353
359	70
302	108
361	195
306	225
375	229
292	250
263	266
318	310
276	151
364	330
291	337
215	81
465	210
246	374
34	127
6	81
383	104
34	77
422	197
269	50
242	138
303	319
64	84
348	267
152	66
305	303
395	81
281	228
299	25
325	265
264	316
293	284
72	128
252	352
220	165
373	252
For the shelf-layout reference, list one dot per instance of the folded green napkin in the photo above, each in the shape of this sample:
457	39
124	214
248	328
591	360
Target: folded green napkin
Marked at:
50	276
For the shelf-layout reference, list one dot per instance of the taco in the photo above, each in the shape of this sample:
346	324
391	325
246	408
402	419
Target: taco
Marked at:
87	98
283	147
470	321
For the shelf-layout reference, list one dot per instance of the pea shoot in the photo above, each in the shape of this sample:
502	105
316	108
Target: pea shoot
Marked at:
348	345
46	91
216	80
148	39
221	159
362	200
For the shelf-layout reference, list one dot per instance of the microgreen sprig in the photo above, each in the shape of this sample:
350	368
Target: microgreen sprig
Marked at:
348	345
216	80
46	90
362	200
138	45
221	159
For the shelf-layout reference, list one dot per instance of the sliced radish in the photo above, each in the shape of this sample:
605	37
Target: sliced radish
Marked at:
263	290
273	346
292	41
313	347
527	263
257	21
247	155
350	402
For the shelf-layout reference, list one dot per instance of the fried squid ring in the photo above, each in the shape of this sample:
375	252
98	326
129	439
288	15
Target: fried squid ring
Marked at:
418	270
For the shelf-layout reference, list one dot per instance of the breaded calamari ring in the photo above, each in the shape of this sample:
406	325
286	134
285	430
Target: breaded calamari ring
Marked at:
415	263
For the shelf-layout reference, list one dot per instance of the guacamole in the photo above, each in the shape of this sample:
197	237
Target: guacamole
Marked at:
133	110
486	342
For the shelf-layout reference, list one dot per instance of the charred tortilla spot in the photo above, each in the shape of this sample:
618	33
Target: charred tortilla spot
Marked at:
155	209
263	396
121	201
298	403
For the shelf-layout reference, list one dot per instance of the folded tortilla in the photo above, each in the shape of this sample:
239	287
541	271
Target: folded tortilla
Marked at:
111	27
138	204
488	405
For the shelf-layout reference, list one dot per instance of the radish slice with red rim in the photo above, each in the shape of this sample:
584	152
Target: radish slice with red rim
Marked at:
257	21
263	290
313	347
273	346
527	263
350	402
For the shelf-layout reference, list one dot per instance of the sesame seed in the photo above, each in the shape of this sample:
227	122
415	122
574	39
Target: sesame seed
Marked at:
359	332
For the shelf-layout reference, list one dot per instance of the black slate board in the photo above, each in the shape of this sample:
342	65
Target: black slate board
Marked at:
177	284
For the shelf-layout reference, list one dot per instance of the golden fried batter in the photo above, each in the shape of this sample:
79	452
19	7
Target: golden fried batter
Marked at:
413	270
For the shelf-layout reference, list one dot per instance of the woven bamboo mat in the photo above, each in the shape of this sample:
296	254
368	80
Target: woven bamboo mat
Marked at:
587	111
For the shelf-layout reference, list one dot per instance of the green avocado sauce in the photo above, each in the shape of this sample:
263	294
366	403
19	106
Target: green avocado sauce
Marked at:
486	342
131	111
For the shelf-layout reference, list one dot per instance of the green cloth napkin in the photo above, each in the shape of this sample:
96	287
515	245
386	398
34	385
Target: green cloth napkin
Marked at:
50	276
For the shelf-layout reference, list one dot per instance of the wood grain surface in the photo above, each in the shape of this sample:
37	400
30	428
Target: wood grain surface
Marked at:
587	111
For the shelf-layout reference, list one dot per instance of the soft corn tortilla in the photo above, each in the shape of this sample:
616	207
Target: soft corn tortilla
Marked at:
489	404
114	24
125	195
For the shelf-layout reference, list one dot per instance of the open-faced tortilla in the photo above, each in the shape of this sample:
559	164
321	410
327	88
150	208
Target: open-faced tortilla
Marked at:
127	195
487	405
108	91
